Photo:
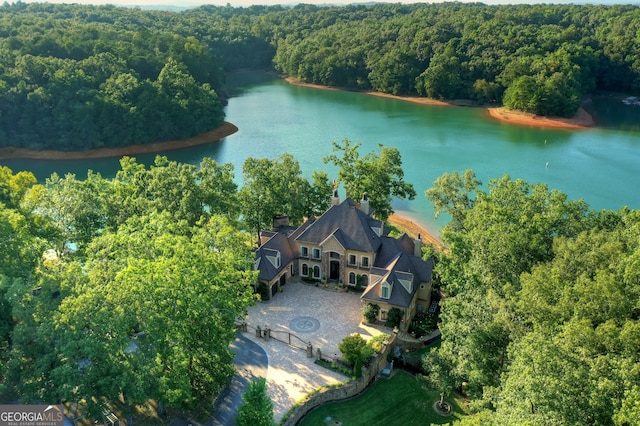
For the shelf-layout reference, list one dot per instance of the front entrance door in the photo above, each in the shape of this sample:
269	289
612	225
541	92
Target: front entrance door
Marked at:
334	270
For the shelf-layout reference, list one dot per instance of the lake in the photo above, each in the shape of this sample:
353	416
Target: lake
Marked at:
600	164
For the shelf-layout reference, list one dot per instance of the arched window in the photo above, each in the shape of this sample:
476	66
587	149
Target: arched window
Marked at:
352	278
316	271
305	270
365	280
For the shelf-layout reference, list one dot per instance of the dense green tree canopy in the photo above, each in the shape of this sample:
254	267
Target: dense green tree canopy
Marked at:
129	288
74	77
542	58
121	287
71	81
543	303
276	187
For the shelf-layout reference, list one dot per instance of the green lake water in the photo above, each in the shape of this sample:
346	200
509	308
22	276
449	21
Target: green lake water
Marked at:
600	165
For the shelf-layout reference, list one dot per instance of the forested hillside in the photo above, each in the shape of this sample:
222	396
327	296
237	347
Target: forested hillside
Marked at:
75	77
541	323
535	58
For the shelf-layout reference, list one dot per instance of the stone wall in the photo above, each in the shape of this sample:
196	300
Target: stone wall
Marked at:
347	390
406	342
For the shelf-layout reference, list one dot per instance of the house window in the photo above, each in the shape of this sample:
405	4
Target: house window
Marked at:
352	278
305	270
316	253
365	261
385	291
352	259
365	280
304	251
383	315
316	271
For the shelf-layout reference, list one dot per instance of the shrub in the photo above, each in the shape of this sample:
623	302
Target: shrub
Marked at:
257	408
263	291
357	369
394	317
370	312
423	324
376	342
335	366
355	348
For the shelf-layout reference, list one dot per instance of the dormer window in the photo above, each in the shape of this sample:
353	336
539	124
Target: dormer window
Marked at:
386	290
274	257
406	279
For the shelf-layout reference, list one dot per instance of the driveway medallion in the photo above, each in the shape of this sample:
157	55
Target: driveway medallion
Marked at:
304	325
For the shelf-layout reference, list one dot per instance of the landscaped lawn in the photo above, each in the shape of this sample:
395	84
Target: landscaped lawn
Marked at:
400	400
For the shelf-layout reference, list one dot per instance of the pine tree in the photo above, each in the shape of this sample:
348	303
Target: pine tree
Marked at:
257	408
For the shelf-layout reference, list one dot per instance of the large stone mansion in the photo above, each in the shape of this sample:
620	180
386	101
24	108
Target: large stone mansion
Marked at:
346	246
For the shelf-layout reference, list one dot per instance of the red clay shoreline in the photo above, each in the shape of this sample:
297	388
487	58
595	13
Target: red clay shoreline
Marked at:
582	119
214	135
413	228
405	224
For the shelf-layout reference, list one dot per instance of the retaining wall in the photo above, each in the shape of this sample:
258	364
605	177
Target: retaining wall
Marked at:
347	390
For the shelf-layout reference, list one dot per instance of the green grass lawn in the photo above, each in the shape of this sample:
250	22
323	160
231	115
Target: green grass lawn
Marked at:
400	400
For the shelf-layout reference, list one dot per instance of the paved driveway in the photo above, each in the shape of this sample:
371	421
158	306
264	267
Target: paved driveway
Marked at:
250	363
322	317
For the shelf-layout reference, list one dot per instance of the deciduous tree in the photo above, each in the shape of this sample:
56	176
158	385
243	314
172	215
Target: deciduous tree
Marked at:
379	174
272	188
354	348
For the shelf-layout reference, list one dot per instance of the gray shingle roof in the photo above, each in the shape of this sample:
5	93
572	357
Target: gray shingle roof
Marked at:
394	260
355	228
401	266
278	243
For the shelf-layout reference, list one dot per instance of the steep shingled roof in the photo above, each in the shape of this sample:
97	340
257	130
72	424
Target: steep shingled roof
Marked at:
355	228
278	243
394	264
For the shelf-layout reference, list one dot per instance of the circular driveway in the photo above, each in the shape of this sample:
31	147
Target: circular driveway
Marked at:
317	315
